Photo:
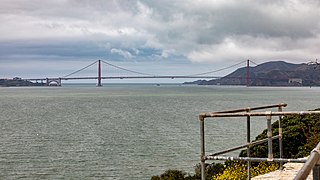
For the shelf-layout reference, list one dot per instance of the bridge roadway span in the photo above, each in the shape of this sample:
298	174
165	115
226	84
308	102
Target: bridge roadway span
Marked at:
124	77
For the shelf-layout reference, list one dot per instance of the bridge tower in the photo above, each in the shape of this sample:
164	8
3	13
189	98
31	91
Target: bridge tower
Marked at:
248	73
99	74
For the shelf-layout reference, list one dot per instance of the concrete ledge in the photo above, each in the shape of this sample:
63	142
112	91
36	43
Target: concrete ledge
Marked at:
288	173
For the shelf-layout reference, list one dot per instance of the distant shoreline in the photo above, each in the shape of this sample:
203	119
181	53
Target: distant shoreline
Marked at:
17	82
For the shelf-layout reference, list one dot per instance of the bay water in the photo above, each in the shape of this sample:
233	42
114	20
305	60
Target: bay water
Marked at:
125	131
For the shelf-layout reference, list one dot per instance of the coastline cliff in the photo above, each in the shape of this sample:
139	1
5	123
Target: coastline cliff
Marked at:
274	73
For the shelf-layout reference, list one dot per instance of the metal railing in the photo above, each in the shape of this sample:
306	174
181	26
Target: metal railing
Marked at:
313	162
247	112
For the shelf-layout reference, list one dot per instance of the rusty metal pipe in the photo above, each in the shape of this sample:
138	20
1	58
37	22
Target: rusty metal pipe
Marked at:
280	138
253	108
248	147
313	159
203	176
243	146
269	135
256	159
208	115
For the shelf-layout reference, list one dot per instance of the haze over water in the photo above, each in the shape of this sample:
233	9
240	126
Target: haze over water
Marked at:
125	131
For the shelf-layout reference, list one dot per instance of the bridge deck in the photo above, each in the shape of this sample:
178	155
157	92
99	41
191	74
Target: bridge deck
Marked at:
126	77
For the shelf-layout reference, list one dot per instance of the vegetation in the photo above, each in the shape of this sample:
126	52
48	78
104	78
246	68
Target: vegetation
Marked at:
274	73
300	135
170	175
238	170
211	170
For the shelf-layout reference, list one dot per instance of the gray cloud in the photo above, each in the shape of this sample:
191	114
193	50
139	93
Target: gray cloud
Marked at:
197	31
124	53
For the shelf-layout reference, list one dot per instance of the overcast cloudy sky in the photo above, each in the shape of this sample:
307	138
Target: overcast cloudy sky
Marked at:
55	37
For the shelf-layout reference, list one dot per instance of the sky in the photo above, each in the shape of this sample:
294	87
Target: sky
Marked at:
53	38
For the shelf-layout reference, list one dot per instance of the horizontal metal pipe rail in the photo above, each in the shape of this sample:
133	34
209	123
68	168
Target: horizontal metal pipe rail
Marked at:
256	159
268	113
312	162
252	108
243	146
246	112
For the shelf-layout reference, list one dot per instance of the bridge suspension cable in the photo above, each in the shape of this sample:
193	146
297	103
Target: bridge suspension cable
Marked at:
128	70
80	69
254	63
214	71
153	75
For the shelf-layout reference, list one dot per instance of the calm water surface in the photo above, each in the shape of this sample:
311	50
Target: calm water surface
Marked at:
124	131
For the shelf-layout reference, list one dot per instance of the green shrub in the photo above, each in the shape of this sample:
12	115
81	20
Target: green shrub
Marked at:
170	175
238	170
211	170
155	178
300	135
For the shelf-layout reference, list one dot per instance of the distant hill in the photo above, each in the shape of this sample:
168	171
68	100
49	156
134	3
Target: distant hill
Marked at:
18	82
274	73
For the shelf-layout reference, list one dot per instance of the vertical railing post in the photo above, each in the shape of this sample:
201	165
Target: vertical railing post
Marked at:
269	135
280	137
316	172
248	148
99	73
203	176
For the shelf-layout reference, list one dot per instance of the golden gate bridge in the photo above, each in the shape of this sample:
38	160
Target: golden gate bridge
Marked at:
138	75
